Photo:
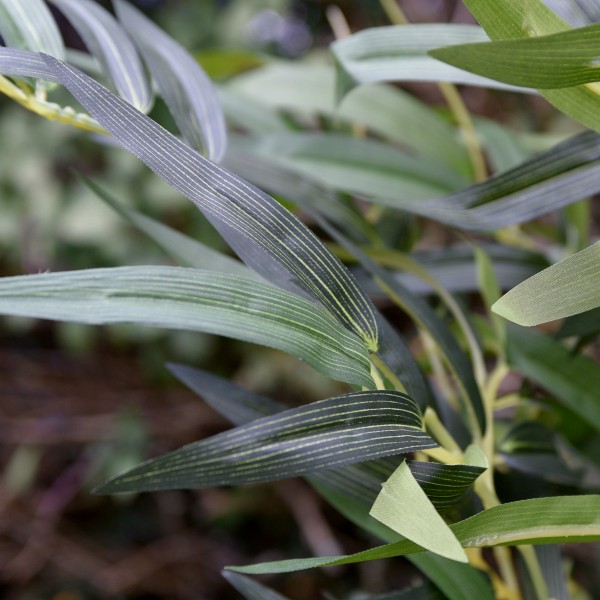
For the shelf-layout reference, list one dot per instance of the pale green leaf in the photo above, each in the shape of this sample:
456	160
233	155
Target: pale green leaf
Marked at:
109	44
266	236
179	298
404	507
29	25
567	288
185	87
399	53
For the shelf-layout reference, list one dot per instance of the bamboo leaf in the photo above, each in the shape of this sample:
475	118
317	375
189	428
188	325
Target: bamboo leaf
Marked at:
187	250
23	63
187	90
395	507
537	521
399	53
514	19
29	25
267	238
569	287
322	435
548	181
560	60
109	44
180	298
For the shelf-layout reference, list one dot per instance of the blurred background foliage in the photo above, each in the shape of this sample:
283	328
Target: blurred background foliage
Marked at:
80	404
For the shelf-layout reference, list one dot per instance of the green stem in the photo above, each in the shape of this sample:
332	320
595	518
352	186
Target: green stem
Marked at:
387	372
434	425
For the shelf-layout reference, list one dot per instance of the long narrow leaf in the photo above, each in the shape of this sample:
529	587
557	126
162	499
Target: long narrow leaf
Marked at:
23	63
539	520
399	53
183	84
560	60
569	287
181	298
322	435
29	25
514	19
261	232
109	44
189	251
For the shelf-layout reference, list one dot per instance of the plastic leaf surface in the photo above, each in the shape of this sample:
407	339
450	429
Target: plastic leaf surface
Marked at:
29	25
399	53
187	90
265	236
107	41
560	60
323	435
180	298
404	507
539	520
567	288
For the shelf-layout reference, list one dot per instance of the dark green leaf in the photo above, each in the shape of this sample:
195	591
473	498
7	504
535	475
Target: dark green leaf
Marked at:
560	60
322	435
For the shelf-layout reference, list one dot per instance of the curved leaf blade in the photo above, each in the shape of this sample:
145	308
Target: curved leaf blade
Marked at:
399	53
569	287
250	589
23	63
559	60
395	507
323	435
181	298
536	521
265	236
187	90
29	25
107	41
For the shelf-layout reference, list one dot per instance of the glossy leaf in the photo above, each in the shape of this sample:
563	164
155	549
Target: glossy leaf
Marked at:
109	44
187	90
30	26
536	521
267	238
179	298
399	53
395	507
322	435
569	287
560	60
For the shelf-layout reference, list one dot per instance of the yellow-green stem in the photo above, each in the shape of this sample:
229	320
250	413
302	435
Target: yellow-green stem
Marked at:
387	372
434	425
454	101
